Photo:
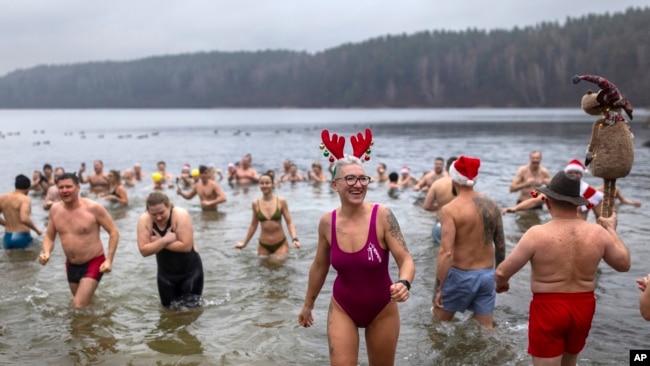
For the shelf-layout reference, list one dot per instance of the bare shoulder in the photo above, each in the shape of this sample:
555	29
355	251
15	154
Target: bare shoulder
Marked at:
180	212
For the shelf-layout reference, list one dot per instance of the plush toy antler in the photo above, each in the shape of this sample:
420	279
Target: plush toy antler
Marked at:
361	145
335	145
609	95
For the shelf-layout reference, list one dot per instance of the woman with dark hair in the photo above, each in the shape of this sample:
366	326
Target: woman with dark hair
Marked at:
268	212
116	191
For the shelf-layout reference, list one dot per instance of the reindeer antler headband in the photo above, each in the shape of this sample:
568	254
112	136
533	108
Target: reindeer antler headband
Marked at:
333	146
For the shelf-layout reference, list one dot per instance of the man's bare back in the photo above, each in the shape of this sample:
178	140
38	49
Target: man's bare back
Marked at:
474	230
439	194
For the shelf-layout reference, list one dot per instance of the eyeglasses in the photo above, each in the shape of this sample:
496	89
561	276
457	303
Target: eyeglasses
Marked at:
352	180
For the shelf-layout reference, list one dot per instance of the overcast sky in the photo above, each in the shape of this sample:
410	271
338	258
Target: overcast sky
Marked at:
36	32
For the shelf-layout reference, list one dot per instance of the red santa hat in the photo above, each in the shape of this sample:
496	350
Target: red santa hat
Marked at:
464	170
593	196
575	165
405	169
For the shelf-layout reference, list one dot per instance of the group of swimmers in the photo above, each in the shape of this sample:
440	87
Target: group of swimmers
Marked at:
166	232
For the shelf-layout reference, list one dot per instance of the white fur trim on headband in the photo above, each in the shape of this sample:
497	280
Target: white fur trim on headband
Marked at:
459	178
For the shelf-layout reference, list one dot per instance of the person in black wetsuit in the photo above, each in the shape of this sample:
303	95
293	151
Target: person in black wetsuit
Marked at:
166	231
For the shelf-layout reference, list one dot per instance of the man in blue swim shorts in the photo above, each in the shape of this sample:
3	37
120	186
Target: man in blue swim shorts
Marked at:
16	208
472	244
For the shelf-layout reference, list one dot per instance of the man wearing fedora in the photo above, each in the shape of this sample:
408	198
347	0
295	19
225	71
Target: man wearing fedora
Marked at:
564	254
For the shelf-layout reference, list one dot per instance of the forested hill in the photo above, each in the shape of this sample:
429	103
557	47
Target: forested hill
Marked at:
522	67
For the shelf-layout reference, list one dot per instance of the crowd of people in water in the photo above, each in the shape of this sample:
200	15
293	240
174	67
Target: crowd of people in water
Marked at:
356	239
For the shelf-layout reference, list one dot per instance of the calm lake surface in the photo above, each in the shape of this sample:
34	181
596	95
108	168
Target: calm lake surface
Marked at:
250	306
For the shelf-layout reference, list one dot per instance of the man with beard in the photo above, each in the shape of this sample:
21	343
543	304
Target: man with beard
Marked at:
427	180
530	176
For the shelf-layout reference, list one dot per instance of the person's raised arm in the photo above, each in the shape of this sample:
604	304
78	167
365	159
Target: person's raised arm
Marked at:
187	195
395	242
524	205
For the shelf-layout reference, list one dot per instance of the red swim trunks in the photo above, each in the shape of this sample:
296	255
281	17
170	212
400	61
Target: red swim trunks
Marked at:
559	322
89	269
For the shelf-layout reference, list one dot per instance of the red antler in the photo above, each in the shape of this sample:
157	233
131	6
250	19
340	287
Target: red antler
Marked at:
360	144
334	145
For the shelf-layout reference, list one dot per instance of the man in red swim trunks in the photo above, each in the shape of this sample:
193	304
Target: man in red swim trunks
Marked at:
77	221
564	255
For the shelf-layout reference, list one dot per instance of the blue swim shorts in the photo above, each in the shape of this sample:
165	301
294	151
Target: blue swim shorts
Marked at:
469	290
436	233
16	240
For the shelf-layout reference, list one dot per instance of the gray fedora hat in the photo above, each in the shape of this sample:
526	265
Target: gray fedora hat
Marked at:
564	187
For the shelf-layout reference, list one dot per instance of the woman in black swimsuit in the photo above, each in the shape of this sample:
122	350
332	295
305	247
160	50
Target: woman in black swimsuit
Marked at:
166	231
268	212
116	191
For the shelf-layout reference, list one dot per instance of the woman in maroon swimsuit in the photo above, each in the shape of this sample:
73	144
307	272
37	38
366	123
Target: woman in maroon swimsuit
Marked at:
356	239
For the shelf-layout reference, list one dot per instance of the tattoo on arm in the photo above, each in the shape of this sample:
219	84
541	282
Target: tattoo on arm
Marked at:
395	231
488	212
499	246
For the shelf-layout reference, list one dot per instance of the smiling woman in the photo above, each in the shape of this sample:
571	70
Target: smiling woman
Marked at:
363	296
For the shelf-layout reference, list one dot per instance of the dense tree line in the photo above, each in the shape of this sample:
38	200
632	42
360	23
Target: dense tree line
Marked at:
522	67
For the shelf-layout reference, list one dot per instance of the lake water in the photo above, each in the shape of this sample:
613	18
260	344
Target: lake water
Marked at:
250	306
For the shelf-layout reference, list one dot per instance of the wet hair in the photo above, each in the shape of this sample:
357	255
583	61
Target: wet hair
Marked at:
202	169
450	161
270	174
47	166
393	177
156	198
72	176
116	173
346	160
316	164
22	182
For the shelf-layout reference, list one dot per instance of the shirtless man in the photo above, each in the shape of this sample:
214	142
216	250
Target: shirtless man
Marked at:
99	181
406	180
77	221
167	177
293	175
52	194
564	256
472	245
593	196
16	208
209	191
245	174
439	194
427	180
530	176
137	172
